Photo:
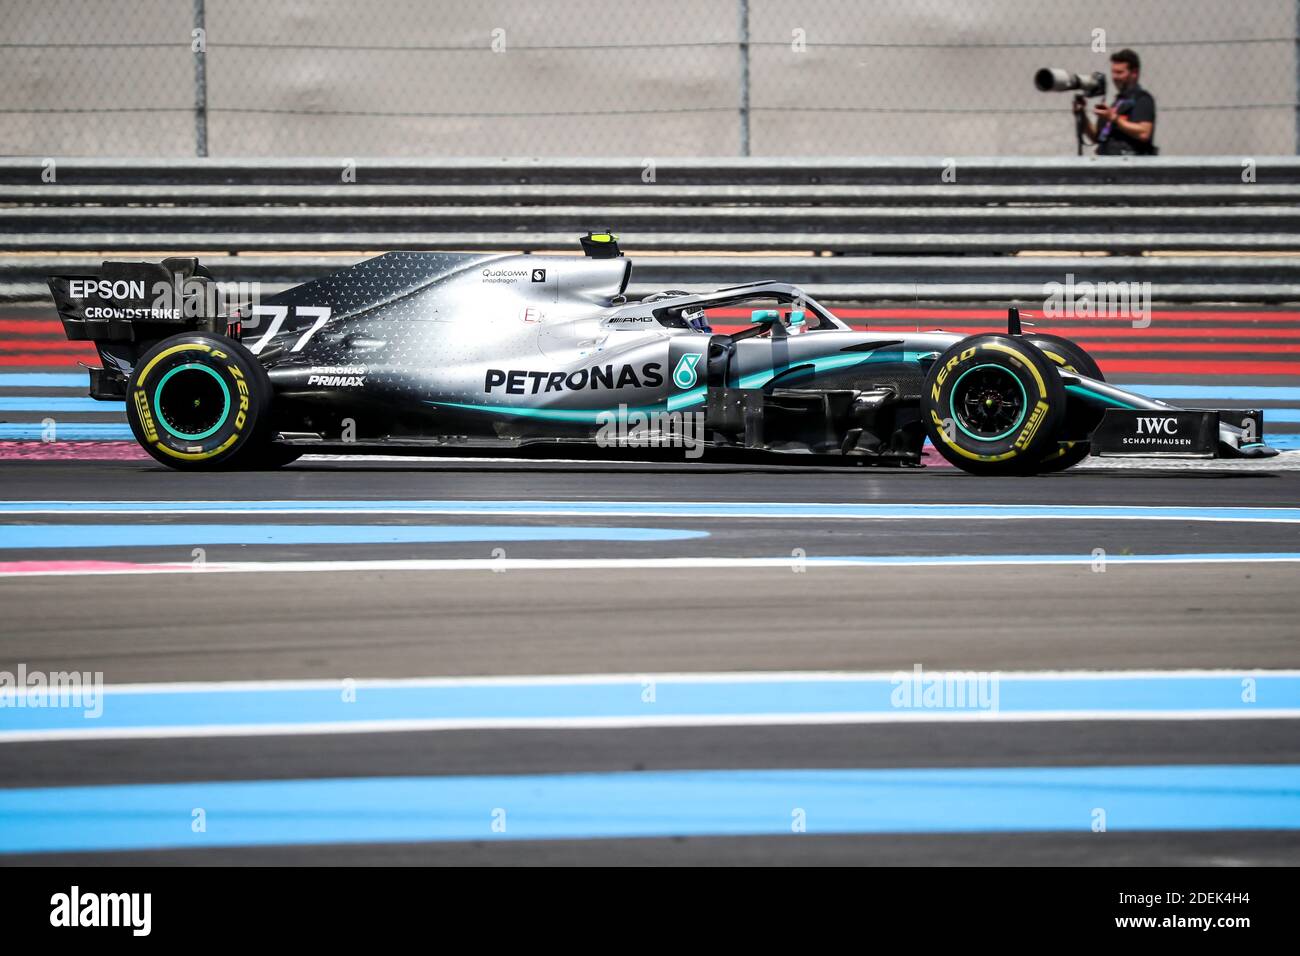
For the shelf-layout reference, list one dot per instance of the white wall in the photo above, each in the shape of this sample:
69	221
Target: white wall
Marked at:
655	77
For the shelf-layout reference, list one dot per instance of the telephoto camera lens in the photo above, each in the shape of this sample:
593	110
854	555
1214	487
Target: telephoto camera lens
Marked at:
1054	80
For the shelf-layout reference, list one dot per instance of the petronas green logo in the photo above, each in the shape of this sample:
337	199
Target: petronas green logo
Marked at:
684	375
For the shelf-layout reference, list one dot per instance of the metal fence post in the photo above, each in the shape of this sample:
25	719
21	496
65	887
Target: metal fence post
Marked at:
200	83
744	77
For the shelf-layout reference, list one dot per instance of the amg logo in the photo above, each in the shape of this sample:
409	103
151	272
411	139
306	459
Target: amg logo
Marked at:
105	289
520	382
1157	426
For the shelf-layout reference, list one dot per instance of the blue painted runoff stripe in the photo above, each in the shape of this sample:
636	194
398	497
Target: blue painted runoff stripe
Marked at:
671	509
115	431
56	403
1280	416
67	431
43	380
649	804
65	404
319	706
1240	393
138	536
1163	391
111	431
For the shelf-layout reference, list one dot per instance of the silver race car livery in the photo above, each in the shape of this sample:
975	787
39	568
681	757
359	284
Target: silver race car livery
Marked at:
414	351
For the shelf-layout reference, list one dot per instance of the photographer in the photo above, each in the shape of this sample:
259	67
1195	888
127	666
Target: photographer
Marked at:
1127	127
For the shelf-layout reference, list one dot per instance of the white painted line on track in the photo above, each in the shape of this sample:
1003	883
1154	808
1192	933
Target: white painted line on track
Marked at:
69	568
620	723
677	677
1288	460
679	510
616	701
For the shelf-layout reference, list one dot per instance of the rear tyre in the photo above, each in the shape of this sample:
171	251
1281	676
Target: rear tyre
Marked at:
200	401
277	456
1080	419
992	405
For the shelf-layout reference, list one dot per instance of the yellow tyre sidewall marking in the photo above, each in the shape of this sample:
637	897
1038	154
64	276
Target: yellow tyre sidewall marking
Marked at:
1062	361
198	456
189	347
141	402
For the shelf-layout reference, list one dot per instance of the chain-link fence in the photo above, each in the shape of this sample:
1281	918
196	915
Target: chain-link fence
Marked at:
439	78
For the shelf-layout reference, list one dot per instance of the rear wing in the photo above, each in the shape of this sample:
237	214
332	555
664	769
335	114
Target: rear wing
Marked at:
126	307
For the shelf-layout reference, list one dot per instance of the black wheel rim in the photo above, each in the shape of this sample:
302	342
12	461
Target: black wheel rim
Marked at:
988	402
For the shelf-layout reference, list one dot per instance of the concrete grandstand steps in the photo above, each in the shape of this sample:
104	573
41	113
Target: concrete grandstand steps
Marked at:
905	171
646	194
951	278
935	224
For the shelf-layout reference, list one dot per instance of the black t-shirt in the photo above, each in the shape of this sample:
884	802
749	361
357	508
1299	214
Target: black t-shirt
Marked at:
1137	106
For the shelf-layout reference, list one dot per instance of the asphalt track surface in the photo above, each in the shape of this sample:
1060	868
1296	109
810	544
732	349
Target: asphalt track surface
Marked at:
639	617
364	661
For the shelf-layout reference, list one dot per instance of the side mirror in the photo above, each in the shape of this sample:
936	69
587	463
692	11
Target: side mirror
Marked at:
798	317
764	315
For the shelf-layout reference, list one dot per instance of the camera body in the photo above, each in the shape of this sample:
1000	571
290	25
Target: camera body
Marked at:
1053	80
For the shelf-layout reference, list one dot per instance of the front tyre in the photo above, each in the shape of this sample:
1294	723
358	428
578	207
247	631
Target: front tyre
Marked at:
199	401
992	405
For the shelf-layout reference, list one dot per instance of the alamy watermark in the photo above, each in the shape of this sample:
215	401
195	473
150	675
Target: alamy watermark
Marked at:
75	908
630	428
1098	300
944	690
76	690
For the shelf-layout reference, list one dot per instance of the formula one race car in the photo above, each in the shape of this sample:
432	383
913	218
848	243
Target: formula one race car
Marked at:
415	351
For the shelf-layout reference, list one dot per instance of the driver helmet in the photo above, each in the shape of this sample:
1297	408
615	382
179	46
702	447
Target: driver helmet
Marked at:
696	319
692	314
